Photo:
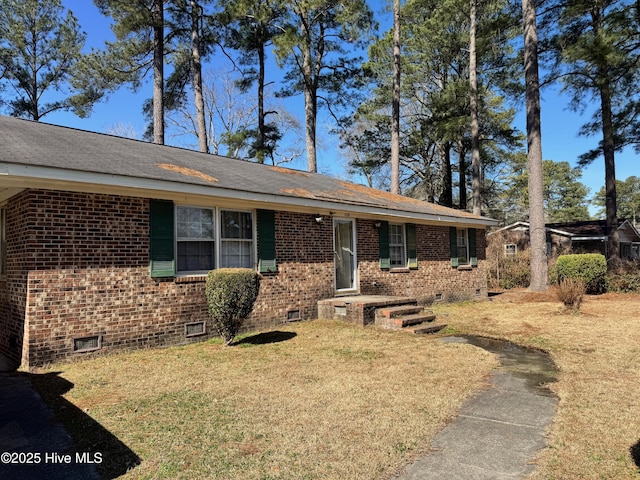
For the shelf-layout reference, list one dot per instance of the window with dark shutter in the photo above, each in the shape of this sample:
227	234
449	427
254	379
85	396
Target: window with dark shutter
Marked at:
161	241
473	251
453	242
266	241
383	242
412	246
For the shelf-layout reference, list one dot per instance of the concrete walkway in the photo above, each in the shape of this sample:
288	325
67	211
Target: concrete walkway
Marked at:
497	435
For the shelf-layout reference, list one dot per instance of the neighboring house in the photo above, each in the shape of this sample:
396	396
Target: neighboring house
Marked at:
570	237
105	242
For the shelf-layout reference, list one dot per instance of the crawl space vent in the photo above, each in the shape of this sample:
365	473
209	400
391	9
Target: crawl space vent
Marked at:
194	329
87	344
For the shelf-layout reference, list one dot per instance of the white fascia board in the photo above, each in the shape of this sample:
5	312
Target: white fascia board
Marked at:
29	176
585	239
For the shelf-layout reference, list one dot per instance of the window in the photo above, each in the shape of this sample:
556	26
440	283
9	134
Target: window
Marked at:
195	234
463	246
397	245
510	249
236	239
397	254
194	240
3	241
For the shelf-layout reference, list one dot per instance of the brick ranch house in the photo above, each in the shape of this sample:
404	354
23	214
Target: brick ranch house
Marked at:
105	242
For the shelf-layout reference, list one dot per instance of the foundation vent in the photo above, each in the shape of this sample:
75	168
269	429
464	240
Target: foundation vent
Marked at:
87	344
194	329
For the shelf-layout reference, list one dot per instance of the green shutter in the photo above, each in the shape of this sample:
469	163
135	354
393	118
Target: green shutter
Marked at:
453	239
267	241
383	243
473	250
161	240
412	248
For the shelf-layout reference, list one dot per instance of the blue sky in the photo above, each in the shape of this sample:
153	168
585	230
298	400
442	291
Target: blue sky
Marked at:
560	126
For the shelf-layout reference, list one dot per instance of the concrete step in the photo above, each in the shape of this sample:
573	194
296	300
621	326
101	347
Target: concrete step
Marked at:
427	328
409	320
398	310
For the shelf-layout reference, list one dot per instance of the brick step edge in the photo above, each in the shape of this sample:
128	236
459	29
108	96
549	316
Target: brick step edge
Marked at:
409	320
397	311
424	329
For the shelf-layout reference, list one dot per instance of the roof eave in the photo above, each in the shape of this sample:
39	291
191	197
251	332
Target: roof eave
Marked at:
28	176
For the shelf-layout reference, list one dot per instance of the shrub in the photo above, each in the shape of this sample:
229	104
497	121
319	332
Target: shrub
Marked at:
231	294
571	292
591	268
627	280
506	271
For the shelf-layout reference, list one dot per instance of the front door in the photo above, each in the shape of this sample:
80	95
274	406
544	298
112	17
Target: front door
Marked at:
345	254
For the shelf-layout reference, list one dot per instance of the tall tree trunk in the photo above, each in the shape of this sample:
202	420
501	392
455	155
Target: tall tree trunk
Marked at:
395	114
475	124
538	237
462	175
310	100
608	147
446	197
158	72
197	77
611	208
262	134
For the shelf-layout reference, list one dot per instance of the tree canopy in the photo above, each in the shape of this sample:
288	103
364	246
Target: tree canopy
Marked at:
40	45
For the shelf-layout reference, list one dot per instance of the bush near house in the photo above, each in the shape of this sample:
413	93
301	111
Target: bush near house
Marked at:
505	272
626	280
231	294
591	268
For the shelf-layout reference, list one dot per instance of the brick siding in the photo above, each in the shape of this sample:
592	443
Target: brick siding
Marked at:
434	275
77	266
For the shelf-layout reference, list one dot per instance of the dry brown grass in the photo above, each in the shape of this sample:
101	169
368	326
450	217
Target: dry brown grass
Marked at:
332	401
597	426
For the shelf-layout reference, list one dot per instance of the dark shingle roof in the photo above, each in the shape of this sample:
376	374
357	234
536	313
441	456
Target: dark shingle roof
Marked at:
28	143
587	228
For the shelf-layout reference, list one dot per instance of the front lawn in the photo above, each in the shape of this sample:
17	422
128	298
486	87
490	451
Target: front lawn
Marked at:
316	400
326	400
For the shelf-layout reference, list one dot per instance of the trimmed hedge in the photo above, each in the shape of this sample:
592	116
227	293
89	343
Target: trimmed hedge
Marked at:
231	294
591	268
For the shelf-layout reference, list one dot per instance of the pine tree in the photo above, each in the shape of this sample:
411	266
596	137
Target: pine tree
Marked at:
250	28
40	47
316	45
138	49
538	236
597	54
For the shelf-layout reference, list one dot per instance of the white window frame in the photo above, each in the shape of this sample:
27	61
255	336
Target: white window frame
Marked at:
179	239
396	261
249	241
462	241
217	239
508	247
